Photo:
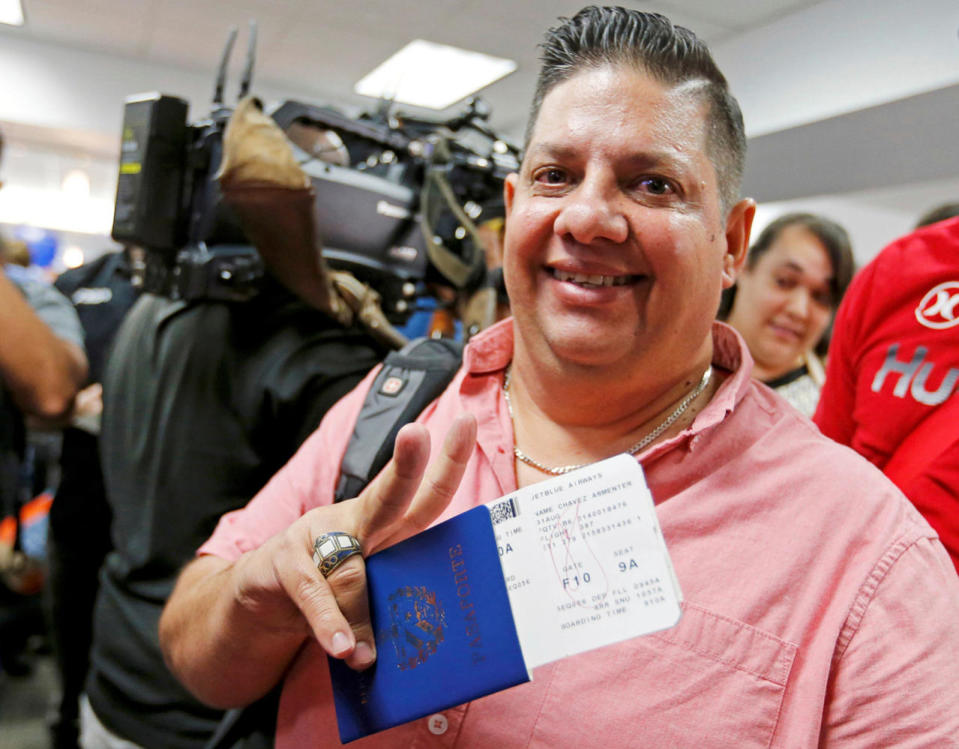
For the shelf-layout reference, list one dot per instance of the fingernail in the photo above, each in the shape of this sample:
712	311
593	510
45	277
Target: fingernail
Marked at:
364	654
340	644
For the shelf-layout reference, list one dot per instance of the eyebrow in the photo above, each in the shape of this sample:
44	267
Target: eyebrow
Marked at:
639	158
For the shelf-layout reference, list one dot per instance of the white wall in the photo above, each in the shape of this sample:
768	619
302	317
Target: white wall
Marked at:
839	56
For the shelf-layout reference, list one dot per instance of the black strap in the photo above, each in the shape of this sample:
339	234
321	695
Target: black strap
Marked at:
410	380
250	727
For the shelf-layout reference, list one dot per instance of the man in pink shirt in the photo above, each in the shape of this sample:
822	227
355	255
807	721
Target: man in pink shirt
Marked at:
820	609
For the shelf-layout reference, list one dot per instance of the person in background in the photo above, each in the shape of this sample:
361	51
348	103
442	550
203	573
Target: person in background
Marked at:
784	300
102	291
891	382
42	366
819	609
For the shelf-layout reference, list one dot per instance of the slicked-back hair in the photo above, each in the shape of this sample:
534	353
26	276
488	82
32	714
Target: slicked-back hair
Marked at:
599	37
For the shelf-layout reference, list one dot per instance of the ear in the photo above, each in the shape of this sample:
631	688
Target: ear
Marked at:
509	191
738	225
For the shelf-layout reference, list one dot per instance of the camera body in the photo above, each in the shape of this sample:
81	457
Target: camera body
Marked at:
396	199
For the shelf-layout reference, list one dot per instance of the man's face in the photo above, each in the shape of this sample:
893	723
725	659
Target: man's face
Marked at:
616	246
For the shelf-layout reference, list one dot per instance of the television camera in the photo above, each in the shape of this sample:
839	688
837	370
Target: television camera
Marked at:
397	199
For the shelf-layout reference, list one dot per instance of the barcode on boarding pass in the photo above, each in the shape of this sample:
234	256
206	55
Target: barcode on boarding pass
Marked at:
504	510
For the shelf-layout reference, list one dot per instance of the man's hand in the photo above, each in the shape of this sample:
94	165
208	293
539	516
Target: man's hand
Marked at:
398	503
229	631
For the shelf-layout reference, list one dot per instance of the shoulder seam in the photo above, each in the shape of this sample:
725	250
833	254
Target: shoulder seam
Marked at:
867	591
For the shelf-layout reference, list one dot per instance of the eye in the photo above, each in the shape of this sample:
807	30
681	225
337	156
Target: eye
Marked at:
784	282
551	176
656	186
823	299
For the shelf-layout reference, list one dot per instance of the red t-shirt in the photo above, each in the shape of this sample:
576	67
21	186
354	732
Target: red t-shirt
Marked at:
894	365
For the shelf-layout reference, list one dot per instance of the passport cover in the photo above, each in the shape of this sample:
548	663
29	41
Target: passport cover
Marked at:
443	626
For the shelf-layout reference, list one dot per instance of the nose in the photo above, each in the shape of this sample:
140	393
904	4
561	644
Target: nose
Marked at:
592	212
798	303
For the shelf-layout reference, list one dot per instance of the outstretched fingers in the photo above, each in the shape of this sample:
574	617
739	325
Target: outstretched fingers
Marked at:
405	498
440	482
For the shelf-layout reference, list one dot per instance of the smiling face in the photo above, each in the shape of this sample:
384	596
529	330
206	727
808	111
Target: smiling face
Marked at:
616	245
784	302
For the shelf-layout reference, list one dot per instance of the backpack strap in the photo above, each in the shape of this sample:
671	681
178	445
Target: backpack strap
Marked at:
410	380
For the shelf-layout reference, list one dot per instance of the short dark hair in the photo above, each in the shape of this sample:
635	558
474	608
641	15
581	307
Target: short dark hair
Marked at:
937	214
598	37
835	240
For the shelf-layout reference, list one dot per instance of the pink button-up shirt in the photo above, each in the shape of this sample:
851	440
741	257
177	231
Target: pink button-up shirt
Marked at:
820	608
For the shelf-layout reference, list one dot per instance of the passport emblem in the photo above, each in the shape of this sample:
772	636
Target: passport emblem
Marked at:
417	625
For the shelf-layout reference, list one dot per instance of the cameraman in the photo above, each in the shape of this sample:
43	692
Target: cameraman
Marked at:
204	400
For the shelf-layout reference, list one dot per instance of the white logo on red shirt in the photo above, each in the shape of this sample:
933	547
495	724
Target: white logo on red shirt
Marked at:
939	308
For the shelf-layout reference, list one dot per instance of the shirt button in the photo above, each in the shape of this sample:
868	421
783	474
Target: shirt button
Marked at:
437	724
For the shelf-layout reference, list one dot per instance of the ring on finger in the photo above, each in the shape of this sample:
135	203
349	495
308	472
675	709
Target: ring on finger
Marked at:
330	550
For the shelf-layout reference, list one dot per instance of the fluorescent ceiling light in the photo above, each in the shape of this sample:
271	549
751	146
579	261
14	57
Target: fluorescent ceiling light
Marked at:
426	74
11	12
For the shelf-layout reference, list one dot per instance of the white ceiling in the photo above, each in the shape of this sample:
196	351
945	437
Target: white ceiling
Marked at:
322	47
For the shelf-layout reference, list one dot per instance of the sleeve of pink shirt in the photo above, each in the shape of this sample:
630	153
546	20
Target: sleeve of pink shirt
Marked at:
893	680
308	480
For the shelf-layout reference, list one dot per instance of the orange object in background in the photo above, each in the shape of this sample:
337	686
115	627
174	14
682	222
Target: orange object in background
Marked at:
22	573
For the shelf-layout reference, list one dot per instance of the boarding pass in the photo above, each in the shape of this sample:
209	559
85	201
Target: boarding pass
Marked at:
585	561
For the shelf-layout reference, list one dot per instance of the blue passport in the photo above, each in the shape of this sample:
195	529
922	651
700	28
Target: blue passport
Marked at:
443	625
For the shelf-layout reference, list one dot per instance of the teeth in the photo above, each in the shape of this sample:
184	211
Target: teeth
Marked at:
592	280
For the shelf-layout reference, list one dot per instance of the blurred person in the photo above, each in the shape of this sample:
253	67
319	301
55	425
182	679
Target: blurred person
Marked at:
102	291
203	400
938	213
42	362
42	365
890	390
820	608
784	300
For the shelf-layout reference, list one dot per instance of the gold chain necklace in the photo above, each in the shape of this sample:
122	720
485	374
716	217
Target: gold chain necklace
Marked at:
663	426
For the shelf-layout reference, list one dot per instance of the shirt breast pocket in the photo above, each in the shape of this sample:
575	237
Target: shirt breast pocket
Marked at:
710	681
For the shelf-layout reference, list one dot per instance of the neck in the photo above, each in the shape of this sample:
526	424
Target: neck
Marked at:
579	415
767	373
623	392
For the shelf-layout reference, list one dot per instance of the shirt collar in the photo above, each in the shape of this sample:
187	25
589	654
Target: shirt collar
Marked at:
492	350
731	354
